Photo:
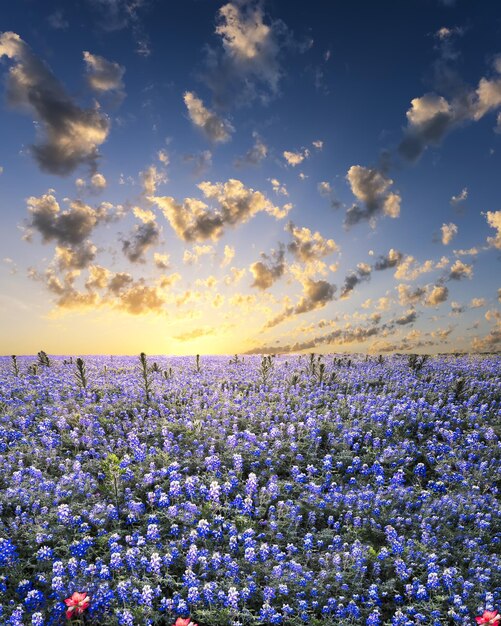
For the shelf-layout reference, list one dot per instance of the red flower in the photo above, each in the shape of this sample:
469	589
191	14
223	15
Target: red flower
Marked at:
184	621
489	617
76	604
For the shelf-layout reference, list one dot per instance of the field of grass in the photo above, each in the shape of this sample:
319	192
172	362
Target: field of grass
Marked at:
277	490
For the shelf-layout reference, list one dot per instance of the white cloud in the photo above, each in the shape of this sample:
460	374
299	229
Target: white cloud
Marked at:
248	65
449	231
214	128
194	220
324	188
461	197
278	188
295	158
151	177
103	75
371	188
163	157
494	221
68	135
460	270
437	295
191	257
228	255
478	303
308	246
431	116
409	269
161	260
255	155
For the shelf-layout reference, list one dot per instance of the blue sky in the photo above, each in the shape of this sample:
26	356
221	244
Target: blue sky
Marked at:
225	177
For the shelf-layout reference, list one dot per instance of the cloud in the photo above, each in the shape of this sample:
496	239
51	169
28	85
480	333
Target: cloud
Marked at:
353	278
408	318
358	334
324	188
161	260
409	296
68	228
255	155
316	294
194	220
409	269
151	177
469	252
76	257
103	288
383	303
95	185
318	144
392	259
371	188
308	246
295	158
57	21
202	161
437	295
446	33
68	297
140	299
449	231
364	270
140	240
278	188
431	117
228	255
269	270
489	343
191	257
457	308
118	282
248	66
477	303
69	136
163	157
120	14
492	340
494	221
460	198
216	129
234	276
144	215
102	75
460	270
196	333
98	278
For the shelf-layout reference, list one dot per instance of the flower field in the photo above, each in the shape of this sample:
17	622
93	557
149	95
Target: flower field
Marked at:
277	490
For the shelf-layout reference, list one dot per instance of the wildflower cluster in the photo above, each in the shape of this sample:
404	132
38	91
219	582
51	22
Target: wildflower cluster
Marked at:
224	496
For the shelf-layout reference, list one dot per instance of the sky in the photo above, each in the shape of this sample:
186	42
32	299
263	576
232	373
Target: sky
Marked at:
207	177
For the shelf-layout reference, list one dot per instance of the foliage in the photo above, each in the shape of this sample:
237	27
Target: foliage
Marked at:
43	359
146	376
80	373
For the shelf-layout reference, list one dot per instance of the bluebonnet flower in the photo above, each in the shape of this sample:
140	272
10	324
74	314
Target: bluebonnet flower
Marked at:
8	552
37	619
